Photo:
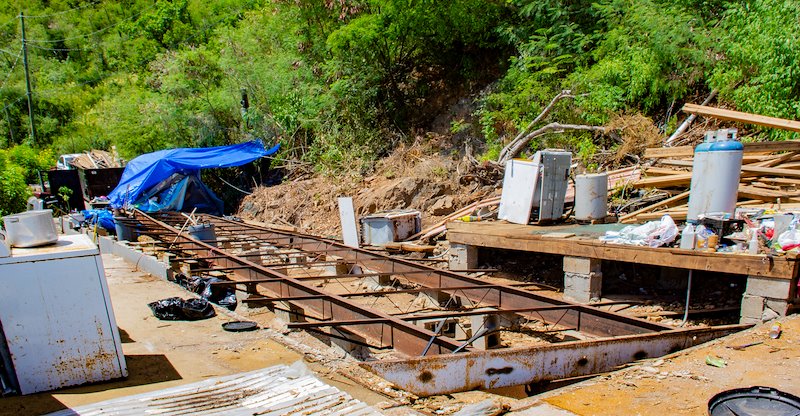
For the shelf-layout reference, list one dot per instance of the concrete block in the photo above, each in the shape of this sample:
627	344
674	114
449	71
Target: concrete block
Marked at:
487	322
780	306
581	265
749	321
752	307
463	257
769	287
341	346
288	312
583	288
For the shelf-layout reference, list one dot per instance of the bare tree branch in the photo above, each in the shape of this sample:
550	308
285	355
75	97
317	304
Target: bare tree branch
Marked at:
519	144
513	144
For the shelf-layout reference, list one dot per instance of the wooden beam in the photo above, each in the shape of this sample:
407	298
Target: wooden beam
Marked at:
664	203
521	237
740	117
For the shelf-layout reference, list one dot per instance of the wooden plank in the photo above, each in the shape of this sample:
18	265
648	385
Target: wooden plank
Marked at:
659	152
653	171
741	117
749	148
664	203
664	181
520	237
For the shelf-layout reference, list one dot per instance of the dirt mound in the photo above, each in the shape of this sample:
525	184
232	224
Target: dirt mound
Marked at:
414	176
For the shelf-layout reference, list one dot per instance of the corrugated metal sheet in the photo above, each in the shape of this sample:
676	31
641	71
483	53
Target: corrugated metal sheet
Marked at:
278	390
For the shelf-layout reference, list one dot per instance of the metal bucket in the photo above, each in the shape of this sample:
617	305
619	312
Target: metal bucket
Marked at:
124	229
204	233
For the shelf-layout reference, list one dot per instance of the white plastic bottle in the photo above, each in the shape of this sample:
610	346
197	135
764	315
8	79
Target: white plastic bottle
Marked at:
688	237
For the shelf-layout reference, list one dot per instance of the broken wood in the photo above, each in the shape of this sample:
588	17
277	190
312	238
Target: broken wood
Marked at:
741	117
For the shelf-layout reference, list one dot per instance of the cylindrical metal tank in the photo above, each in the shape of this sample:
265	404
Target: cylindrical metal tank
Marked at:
698	200
591	196
725	167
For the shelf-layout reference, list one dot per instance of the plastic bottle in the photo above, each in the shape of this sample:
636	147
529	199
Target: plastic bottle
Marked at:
775	330
688	237
752	248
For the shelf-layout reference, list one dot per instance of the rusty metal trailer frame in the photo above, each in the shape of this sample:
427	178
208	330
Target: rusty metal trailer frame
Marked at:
434	369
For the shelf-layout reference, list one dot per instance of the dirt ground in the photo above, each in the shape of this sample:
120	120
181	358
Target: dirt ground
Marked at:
682	384
162	354
414	176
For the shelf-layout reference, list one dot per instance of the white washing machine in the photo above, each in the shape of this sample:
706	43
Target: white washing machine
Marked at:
56	317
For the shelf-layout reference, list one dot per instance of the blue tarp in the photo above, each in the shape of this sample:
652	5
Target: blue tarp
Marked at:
149	170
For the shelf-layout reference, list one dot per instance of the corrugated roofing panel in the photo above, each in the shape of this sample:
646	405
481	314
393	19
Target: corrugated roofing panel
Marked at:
278	390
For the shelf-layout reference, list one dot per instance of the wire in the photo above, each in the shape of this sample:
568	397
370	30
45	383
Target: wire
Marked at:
92	33
11	70
12	103
10	53
43	16
59	49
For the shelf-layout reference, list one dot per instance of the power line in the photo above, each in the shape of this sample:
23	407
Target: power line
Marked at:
92	33
43	16
11	70
12	103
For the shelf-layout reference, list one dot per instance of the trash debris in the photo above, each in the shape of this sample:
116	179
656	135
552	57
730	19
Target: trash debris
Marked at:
715	361
652	234
743	346
177	309
222	295
775	330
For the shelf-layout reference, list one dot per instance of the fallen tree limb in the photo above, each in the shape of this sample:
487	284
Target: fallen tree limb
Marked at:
504	153
516	147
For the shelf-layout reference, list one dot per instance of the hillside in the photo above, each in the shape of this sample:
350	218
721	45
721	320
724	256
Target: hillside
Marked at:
342	83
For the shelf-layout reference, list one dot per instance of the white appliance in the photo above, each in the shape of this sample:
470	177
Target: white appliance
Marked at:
535	188
56	316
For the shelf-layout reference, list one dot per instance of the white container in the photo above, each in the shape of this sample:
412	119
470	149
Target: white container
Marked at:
715	175
697	193
688	237
591	196
386	227
722	183
57	317
30	228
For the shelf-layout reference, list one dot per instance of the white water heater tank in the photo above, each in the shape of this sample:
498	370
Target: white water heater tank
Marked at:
591	196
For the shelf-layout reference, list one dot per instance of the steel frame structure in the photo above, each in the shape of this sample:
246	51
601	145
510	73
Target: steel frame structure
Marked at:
623	338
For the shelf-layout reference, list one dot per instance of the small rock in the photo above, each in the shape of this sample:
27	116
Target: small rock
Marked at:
651	370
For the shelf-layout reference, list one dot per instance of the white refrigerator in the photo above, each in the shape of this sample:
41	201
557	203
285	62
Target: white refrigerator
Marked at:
56	316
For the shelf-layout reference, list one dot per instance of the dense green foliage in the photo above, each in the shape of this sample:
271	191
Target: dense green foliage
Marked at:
337	81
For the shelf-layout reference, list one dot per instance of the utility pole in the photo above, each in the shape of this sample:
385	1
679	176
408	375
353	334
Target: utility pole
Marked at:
27	78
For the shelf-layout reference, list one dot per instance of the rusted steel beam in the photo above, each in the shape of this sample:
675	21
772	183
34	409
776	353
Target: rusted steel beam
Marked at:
405	337
593	321
349	322
426	376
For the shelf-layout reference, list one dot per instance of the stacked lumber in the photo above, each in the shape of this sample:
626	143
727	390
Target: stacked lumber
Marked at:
96	159
770	175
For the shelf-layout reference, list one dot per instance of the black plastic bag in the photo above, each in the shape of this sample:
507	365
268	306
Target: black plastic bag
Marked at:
170	309
196	309
222	295
177	309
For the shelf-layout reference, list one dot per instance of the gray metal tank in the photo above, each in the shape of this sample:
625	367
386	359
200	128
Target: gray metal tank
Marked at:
591	196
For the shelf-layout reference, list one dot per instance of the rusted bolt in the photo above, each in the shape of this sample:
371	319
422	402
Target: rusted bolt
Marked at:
583	361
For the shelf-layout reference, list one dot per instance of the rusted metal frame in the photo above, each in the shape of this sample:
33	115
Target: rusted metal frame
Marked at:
405	337
426	376
324	323
322	277
477	312
361	294
348	339
592	321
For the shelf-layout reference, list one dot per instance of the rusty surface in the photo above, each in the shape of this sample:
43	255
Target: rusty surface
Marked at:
404	337
426	376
